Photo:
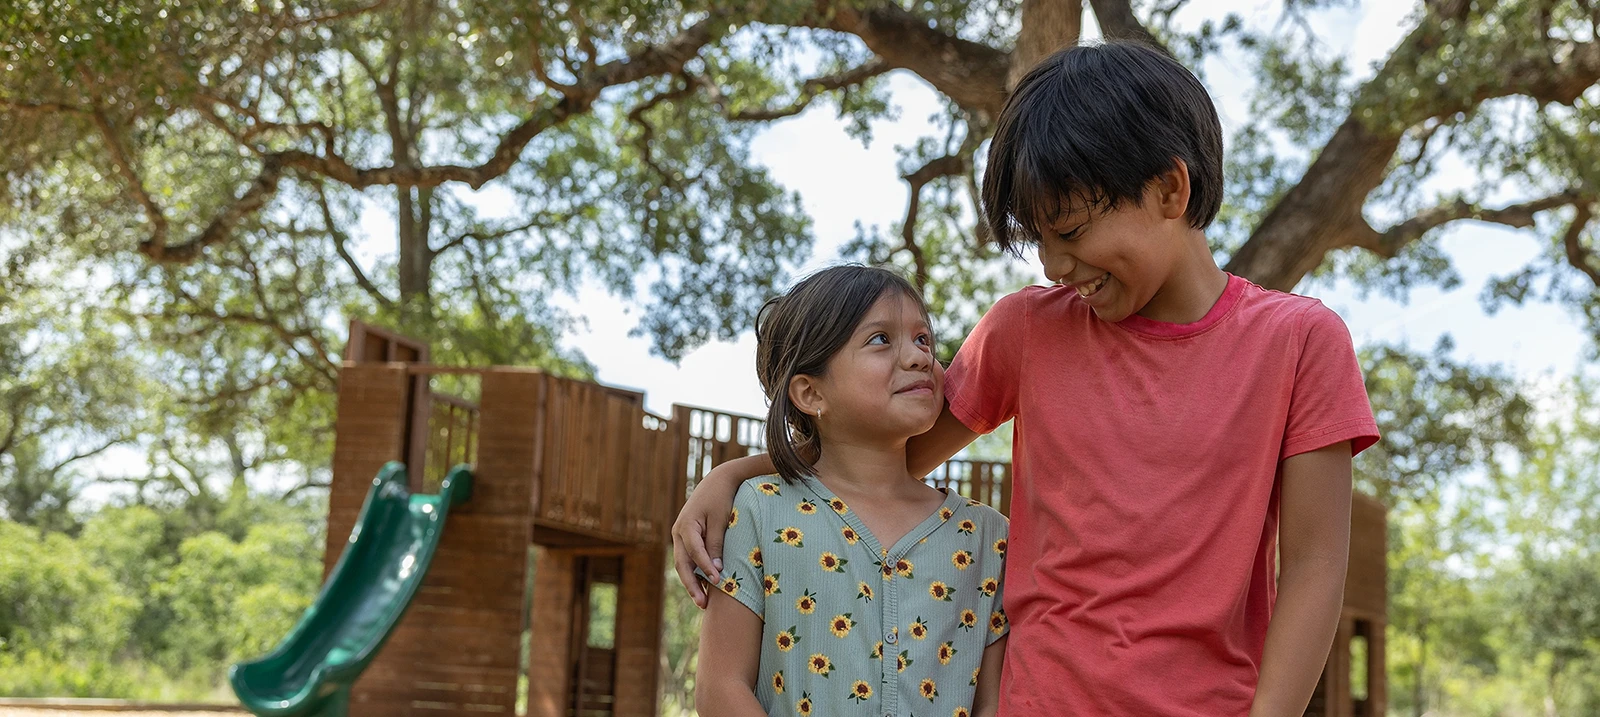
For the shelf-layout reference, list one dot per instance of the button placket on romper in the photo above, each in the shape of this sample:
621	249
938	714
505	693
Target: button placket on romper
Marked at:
889	593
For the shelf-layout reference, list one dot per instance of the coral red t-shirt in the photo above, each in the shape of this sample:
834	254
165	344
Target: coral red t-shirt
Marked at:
1144	514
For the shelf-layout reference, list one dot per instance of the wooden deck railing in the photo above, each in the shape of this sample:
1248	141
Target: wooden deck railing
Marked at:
611	470
452	437
984	481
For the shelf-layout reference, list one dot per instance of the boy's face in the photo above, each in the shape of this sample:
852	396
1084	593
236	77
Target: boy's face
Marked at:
1116	259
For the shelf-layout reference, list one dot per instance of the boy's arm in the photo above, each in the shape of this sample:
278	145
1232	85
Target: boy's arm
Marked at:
697	533
928	451
730	656
986	701
1314	537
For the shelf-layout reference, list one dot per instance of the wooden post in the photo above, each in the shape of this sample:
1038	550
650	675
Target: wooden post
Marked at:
549	663
640	603
369	431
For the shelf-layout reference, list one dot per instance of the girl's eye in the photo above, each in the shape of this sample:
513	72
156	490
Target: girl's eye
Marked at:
1071	234
879	338
925	339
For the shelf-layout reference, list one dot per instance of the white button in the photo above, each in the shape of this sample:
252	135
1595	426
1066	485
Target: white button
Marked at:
891	638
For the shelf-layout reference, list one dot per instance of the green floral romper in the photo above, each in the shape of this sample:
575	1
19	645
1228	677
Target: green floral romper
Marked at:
852	627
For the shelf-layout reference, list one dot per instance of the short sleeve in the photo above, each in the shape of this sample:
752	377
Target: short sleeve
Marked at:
1329	403
743	572
984	379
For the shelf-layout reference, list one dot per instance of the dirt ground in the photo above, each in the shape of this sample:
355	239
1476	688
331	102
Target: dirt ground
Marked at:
34	712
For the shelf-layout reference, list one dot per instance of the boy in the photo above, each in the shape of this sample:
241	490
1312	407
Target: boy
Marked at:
1166	412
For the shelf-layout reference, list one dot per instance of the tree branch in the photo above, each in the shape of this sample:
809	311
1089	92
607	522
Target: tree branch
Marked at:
221	227
102	448
649	61
304	485
340	245
13	430
1389	243
1579	256
1323	211
491	235
259	126
647	131
1117	22
334	16
134	186
946	166
809	90
971	74
41	107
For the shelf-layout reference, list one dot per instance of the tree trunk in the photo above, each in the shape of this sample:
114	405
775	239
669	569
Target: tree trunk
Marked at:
1320	212
1422	669
1047	26
416	257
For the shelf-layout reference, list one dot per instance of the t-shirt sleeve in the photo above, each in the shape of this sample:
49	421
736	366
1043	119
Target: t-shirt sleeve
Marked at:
985	378
742	565
1329	401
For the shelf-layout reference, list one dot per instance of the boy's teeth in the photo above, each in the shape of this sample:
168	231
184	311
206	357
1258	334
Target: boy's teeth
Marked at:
1091	288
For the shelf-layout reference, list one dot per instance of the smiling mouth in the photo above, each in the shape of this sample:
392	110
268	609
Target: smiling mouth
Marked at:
1093	287
918	386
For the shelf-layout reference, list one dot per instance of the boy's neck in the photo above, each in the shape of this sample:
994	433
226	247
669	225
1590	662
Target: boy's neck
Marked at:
1195	285
861	466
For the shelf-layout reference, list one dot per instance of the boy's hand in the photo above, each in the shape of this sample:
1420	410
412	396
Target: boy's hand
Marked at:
697	534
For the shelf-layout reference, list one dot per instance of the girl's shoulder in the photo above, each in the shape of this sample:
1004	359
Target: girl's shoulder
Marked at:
984	518
759	496
756	490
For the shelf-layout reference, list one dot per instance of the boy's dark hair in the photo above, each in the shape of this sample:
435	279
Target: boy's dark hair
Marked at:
796	334
1097	123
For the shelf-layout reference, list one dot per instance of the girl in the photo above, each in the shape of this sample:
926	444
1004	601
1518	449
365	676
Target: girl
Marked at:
847	588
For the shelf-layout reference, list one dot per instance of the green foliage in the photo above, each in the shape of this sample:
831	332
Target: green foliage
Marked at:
146	604
680	647
1440	417
54	600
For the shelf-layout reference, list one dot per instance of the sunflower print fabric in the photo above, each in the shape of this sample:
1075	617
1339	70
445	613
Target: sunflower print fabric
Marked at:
855	627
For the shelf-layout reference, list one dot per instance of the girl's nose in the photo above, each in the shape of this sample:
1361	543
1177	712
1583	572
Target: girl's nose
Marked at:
917	356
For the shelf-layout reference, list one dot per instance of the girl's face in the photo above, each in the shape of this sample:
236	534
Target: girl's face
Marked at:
884	382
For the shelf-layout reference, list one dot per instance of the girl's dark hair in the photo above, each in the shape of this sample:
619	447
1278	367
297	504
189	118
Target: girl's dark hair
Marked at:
1098	123
796	334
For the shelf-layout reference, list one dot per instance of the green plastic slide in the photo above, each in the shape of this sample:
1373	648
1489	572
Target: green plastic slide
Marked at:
391	545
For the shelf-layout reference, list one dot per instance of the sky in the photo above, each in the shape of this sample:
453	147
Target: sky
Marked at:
841	182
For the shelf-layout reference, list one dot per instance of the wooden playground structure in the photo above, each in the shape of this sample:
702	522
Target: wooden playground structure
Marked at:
576	488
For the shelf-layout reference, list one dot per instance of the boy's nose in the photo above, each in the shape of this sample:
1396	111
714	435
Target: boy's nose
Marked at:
1056	267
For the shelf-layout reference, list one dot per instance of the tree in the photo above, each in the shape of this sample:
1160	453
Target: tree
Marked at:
621	129
68	392
1440	417
225	167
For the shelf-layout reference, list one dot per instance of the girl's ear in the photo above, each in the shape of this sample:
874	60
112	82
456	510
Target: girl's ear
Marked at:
805	392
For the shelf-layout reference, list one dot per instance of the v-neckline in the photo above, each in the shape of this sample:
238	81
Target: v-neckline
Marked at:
952	502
